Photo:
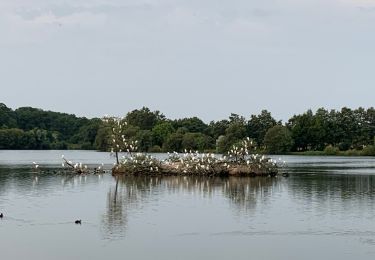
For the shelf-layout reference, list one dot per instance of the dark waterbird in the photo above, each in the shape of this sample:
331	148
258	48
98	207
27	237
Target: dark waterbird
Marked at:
1	215
78	222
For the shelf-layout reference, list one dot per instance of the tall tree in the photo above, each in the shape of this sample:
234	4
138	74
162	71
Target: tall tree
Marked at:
278	140
144	118
258	126
192	124
7	117
161	132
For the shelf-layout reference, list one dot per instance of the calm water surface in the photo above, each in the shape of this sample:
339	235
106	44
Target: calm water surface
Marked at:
324	210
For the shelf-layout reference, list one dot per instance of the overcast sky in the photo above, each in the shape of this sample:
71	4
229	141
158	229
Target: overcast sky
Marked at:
204	58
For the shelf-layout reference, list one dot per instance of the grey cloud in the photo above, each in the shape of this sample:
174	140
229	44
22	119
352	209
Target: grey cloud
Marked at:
186	57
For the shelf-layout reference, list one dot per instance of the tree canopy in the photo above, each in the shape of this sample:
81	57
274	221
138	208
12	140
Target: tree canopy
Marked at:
334	130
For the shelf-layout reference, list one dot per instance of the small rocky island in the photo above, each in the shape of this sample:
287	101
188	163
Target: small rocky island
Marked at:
238	162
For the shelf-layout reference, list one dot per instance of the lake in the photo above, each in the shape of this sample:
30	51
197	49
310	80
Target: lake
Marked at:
324	210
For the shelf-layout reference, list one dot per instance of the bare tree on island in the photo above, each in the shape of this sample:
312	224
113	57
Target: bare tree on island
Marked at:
119	141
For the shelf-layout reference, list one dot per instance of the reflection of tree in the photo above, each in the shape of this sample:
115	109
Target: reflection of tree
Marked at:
339	190
4	180
128	193
115	219
245	192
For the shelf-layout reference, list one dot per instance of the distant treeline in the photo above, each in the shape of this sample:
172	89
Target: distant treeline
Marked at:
331	132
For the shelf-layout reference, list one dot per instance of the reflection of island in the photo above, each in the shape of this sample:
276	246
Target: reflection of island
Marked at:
244	194
134	192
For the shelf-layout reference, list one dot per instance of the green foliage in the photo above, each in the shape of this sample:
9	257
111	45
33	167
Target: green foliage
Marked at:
368	150
343	132
193	125
258	126
161	132
68	125
197	142
217	129
331	150
155	149
145	139
346	129
13	138
144	118
34	139
86	135
301	128
174	142
7	117
278	140
32	128
102	139
235	132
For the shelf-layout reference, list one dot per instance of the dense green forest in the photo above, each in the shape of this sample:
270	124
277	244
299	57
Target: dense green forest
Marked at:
346	131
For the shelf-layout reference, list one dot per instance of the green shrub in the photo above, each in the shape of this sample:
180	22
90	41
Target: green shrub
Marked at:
368	150
331	150
155	149
352	152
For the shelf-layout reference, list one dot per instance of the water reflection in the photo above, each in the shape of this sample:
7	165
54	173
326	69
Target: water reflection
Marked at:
114	221
333	192
133	193
310	194
321	193
242	191
246	193
127	194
